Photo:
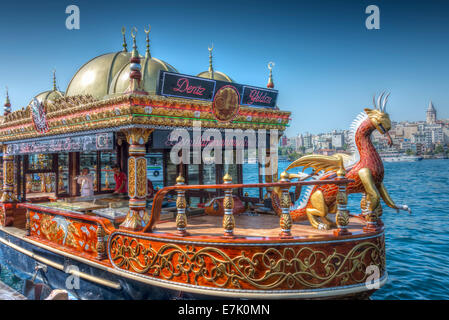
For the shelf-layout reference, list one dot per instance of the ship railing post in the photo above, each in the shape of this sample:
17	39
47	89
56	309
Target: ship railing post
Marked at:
28	223
342	216
101	245
181	204
228	208
285	221
373	222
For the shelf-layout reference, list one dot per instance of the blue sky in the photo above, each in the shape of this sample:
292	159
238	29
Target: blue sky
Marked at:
328	65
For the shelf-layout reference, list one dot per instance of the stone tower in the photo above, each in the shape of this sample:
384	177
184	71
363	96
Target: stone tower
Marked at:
431	114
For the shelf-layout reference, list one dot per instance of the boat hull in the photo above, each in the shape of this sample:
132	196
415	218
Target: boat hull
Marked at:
58	279
100	281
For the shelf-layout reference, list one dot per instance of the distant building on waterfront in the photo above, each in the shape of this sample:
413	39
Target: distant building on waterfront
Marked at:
418	137
431	114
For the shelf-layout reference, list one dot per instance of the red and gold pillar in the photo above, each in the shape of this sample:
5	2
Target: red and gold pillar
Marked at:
285	220
8	198
228	208
137	216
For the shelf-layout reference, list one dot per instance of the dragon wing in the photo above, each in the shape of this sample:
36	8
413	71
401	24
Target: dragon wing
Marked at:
319	162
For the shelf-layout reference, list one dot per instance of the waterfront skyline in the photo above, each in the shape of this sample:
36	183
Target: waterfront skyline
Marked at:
327	64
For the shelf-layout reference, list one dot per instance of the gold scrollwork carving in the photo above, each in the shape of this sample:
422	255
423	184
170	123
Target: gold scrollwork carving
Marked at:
9	170
181	221
228	222
138	135
132	177
228	202
286	221
181	202
2	216
141	177
342	198
285	200
289	268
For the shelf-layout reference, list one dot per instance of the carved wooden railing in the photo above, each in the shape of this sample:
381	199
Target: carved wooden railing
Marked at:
228	219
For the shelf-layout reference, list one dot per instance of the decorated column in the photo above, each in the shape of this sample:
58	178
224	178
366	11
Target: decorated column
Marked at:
285	219
8	198
101	245
137	179
342	216
372	217
268	172
181	204
228	206
1	184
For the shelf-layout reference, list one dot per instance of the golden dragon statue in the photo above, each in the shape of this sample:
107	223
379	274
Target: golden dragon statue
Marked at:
365	167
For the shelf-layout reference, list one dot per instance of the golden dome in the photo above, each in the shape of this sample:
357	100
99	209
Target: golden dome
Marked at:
217	76
150	76
95	76
211	73
50	95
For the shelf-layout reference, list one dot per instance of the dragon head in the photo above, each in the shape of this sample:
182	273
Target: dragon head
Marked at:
379	117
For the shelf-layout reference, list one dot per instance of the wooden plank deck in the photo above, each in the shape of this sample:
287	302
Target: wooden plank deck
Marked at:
251	226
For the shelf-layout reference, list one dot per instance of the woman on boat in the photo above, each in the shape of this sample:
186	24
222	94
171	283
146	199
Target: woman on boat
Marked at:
87	183
120	180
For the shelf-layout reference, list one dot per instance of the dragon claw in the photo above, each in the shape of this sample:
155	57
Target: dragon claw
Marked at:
323	226
404	207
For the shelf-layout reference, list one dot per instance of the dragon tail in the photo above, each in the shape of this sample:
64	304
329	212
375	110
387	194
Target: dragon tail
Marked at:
297	214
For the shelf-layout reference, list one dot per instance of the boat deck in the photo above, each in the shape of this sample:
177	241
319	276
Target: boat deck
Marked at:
261	226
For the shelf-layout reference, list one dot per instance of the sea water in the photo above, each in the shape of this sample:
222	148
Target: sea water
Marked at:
417	243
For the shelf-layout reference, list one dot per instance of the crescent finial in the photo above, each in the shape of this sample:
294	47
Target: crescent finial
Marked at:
133	32
124	45
211	48
147	31
270	65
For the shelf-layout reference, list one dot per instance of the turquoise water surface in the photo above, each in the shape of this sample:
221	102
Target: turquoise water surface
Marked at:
417	243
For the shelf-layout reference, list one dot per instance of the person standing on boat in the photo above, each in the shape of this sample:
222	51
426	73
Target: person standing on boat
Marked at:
87	183
150	189
121	180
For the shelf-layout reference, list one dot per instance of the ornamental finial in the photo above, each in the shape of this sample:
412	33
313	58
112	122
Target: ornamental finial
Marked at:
125	46
270	78
147	52
54	80
285	176
133	35
227	178
180	179
211	67
7	105
135	75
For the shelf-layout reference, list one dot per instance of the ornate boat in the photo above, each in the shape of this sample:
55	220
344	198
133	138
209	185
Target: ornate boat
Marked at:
122	108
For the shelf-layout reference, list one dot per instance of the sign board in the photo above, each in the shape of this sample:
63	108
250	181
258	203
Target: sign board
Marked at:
184	86
93	142
161	140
